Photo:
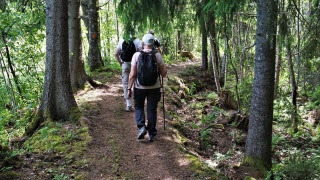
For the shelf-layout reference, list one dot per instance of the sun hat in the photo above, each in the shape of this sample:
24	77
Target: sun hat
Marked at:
148	39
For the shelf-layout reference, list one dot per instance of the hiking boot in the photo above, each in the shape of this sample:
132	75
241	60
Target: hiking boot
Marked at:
151	137
142	132
128	109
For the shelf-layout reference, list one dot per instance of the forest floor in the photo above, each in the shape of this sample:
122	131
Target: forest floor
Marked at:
115	153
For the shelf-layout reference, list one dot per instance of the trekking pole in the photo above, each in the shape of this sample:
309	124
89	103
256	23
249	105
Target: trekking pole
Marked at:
164	115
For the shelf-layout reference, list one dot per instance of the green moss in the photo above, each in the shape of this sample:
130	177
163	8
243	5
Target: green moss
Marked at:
249	178
67	138
81	176
212	96
9	175
197	105
256	163
202	171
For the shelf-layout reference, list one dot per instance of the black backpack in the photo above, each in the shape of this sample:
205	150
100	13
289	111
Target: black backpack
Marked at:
147	73
127	51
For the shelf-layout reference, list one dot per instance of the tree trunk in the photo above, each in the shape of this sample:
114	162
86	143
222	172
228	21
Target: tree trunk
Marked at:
94	56
214	67
85	17
224	63
204	46
77	71
283	32
210	26
294	88
258	144
57	102
298	44
179	40
278	67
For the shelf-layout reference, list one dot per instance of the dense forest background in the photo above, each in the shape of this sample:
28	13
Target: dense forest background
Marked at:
261	56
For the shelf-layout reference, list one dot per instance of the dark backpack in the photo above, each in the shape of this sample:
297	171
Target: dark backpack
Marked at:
147	69
127	51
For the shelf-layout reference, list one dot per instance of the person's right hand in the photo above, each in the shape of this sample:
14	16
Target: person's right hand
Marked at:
129	93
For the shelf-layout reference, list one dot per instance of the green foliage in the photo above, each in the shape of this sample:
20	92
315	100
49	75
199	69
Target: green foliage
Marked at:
222	7
137	16
221	157
205	137
168	59
192	88
196	105
68	139
315	98
22	26
12	124
60	177
282	108
276	139
299	166
212	96
245	91
206	133
208	120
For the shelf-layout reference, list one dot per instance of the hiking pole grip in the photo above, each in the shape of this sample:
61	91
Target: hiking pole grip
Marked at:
164	115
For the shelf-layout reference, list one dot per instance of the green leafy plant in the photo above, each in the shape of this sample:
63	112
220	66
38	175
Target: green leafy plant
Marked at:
299	166
315	98
276	139
61	177
207	120
205	137
192	88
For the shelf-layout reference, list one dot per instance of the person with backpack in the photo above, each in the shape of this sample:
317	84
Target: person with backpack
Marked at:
123	54
157	44
146	68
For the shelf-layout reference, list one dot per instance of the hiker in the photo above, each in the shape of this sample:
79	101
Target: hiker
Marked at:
123	54
146	84
157	44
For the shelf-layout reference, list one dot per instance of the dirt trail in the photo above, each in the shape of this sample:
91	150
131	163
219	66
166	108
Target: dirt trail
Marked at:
115	152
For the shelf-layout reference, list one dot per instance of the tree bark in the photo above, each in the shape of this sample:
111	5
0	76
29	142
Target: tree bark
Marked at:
90	19
214	66
94	56
294	88
278	68
77	69
224	61
179	41
84	6
210	26
57	102
258	144
204	44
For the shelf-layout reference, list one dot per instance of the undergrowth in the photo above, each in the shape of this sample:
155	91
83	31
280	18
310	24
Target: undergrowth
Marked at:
296	155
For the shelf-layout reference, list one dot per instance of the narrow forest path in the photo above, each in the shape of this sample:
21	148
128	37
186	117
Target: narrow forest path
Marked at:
115	152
